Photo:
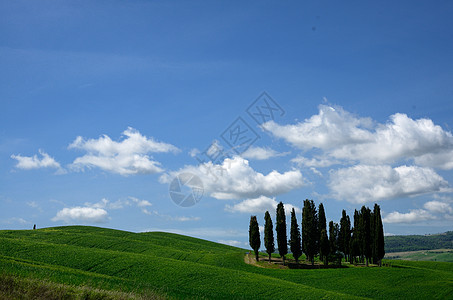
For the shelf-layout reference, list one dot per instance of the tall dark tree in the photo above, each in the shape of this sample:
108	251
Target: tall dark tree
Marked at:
280	227
355	245
310	233
365	237
321	225
344	236
268	235
333	242
295	241
324	247
254	236
379	250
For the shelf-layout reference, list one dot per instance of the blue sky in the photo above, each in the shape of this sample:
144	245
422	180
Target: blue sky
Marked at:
103	103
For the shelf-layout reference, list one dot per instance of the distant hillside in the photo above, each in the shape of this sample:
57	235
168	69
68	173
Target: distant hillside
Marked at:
399	243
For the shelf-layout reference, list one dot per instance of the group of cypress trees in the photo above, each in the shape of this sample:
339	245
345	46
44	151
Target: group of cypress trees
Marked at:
364	242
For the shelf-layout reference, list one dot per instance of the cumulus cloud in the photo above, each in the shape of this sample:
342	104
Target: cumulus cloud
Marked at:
438	207
259	205
126	157
414	215
341	135
330	128
235	179
365	183
34	162
80	214
260	153
401	138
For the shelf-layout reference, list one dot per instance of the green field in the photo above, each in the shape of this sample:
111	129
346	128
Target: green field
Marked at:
77	259
445	255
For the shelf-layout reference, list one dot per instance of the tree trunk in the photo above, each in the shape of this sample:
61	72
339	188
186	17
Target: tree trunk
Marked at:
366	261
269	257
283	257
256	256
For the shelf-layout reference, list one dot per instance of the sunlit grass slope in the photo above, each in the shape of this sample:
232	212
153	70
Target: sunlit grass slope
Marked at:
175	266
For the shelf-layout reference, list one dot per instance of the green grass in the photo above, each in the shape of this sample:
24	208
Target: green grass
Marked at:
175	266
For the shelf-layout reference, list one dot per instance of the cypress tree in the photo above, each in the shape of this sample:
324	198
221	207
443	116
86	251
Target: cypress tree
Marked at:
368	236
295	242
268	234
355	244
324	247
365	238
254	236
333	239
361	234
322	225
280	227
347	235
378	235
310	233
344	234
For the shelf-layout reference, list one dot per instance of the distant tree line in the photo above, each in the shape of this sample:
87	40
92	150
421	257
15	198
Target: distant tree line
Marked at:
363	242
400	243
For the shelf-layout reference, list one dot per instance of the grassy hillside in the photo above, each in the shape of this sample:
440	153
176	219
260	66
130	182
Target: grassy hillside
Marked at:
400	243
169	265
445	255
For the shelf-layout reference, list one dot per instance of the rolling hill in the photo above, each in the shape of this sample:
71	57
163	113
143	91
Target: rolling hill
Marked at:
115	264
400	243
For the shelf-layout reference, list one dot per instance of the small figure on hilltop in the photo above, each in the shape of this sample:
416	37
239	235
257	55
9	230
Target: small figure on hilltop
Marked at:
34	227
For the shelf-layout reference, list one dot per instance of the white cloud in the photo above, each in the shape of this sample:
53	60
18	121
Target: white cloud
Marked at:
81	215
34	162
233	243
364	183
330	128
314	162
342	135
185	219
235	179
140	203
15	220
194	152
32	204
107	204
127	157
170	218
203	232
415	215
315	171
259	205
438	207
401	138
443	159
260	153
